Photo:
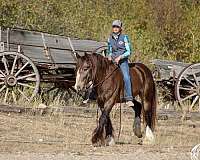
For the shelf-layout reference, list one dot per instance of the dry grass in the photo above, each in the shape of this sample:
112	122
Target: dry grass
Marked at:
67	133
55	98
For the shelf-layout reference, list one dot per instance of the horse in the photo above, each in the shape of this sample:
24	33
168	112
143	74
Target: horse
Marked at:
107	81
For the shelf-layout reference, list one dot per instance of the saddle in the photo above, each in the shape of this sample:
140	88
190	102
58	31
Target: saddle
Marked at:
131	65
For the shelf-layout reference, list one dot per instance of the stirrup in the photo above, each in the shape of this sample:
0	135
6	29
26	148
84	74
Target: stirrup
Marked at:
130	103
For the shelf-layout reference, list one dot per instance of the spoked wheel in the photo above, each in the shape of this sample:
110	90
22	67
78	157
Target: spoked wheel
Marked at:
19	78
187	88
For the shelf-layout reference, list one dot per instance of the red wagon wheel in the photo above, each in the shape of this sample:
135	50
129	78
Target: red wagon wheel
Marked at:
19	77
187	88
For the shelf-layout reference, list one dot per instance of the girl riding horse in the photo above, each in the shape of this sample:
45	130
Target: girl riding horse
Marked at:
108	83
119	51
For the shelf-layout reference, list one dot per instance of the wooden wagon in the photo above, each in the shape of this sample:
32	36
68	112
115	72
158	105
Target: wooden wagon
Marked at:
182	79
28	58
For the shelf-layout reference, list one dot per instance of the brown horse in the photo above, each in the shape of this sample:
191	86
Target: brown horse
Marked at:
108	84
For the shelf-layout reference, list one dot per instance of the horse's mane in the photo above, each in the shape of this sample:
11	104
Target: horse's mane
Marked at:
99	60
103	61
99	63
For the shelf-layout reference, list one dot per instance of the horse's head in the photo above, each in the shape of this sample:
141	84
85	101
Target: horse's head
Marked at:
84	70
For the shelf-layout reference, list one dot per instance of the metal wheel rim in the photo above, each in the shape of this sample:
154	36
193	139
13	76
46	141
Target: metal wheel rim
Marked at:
196	83
35	70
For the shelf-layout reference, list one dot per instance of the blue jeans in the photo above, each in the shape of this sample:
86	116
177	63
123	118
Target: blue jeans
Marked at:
126	77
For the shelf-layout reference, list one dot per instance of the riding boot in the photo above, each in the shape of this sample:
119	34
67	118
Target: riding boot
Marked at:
130	103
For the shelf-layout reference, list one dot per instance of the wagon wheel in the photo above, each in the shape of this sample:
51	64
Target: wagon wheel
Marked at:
19	77
101	50
187	88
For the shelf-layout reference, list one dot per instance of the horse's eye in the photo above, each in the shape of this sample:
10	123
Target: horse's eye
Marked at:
85	69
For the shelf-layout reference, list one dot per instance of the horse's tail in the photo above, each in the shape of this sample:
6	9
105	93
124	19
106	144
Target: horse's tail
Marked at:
150	100
153	107
149	97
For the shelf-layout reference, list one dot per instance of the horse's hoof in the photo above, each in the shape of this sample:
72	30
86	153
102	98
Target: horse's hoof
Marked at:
140	142
137	127
95	141
146	141
110	141
96	144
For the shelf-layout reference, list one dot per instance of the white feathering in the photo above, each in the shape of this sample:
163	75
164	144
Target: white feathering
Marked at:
149	135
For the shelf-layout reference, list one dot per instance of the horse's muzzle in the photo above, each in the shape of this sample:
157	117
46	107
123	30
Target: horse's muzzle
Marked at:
77	88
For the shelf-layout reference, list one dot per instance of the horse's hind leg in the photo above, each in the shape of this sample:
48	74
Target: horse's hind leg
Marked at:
137	122
149	136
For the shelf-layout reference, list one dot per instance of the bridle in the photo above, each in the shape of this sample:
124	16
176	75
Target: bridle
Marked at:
107	76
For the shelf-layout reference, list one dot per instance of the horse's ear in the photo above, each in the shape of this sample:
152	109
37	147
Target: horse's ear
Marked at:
86	54
94	53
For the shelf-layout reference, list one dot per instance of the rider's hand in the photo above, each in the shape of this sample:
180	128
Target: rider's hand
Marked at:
118	59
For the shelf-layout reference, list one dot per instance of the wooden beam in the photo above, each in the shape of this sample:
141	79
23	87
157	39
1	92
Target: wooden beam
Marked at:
162	114
31	38
32	45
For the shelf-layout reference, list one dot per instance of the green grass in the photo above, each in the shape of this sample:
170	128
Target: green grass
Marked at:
168	29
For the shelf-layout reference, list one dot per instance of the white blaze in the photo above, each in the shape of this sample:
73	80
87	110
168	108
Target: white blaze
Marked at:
77	80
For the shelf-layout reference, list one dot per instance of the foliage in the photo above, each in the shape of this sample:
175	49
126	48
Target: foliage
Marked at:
168	29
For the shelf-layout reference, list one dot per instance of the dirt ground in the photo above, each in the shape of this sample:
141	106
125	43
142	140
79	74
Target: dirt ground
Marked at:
67	136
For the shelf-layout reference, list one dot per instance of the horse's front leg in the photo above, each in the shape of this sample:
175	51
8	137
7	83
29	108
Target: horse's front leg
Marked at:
104	128
99	134
109	133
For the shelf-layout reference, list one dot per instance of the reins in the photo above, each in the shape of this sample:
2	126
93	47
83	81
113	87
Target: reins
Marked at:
97	114
107	76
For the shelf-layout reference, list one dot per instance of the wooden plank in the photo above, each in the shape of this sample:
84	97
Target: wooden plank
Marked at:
38	55
32	38
171	114
59	50
10	109
168	64
161	114
169	69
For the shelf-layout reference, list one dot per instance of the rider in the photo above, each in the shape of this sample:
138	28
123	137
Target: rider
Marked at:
119	51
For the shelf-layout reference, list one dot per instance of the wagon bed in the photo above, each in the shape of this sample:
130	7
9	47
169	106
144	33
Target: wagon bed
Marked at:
183	79
46	48
29	57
